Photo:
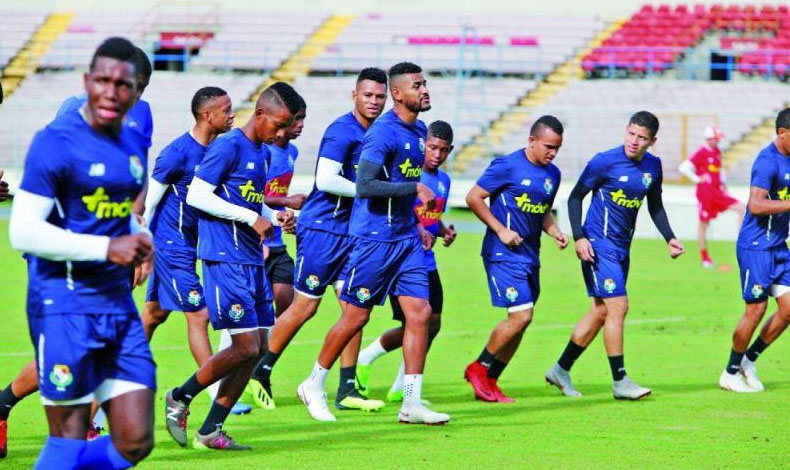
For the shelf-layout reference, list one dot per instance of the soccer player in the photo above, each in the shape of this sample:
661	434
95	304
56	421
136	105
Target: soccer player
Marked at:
438	146
764	260
279	264
705	169
620	179
387	254
323	242
228	190
73	212
521	187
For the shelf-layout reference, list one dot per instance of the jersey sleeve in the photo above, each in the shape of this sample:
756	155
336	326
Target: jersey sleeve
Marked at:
698	159
447	185
763	172
169	166
69	104
594	173
658	184
376	145
218	162
45	167
335	144
148	125
496	176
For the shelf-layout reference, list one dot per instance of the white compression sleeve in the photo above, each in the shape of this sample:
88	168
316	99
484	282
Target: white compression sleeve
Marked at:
270	214
327	178
687	169
156	191
31	233
201	196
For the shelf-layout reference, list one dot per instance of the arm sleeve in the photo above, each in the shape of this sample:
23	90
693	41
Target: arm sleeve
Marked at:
368	186
219	159
169	166
686	168
328	179
31	233
594	173
201	196
655	205
495	177
763	171
152	197
575	209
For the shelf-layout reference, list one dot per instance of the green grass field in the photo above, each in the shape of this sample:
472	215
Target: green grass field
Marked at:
677	342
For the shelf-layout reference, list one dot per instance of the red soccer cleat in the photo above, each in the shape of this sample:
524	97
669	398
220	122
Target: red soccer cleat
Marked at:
475	374
500	397
3	438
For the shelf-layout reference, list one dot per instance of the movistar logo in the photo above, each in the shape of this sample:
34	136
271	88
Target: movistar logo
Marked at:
525	204
408	171
99	203
275	187
249	194
619	197
425	214
784	194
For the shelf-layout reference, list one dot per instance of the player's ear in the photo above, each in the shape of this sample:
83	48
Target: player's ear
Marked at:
86	77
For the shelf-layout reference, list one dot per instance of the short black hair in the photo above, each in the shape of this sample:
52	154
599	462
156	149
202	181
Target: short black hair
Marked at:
546	121
404	68
205	94
441	130
117	48
373	73
302	103
283	94
142	64
783	119
647	120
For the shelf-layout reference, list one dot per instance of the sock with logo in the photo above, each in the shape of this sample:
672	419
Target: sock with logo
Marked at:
317	377
757	348
189	390
101	454
263	370
496	368
59	452
398	383
7	401
216	417
569	356
374	351
347	381
617	364
412	390
486	358
734	364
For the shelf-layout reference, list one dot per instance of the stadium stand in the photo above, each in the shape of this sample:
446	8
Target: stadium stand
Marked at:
17	28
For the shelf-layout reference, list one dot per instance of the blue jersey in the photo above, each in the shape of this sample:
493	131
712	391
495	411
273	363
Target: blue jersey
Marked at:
619	186
237	167
771	171
278	180
94	179
522	193
400	148
342	142
175	223
439	183
138	118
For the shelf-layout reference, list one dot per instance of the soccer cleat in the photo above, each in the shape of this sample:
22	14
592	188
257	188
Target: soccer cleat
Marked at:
362	379
561	379
217	440
476	375
94	432
3	438
627	389
355	401
708	263
176	414
315	401
735	383
241	408
500	397
262	394
749	371
419	414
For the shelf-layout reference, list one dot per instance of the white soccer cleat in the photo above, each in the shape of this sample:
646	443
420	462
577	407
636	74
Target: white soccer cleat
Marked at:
561	379
749	371
734	383
628	389
419	414
315	401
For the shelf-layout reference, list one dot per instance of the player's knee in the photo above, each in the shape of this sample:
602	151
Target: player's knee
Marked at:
755	311
136	446
521	319
155	316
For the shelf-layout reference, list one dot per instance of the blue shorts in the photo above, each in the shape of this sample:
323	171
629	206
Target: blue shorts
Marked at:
75	353
513	284
237	295
380	268
33	292
606	277
321	259
763	273
175	283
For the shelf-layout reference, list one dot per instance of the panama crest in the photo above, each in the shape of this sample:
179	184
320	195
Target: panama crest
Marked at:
757	291
548	185
136	168
363	294
194	298
647	179
236	312
422	145
511	293
609	285
61	377
312	281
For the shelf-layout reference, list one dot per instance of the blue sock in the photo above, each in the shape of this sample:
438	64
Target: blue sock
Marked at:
61	453
101	454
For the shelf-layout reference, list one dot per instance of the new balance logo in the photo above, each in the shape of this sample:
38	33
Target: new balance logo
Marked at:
97	169
623	179
267	367
526	182
250	165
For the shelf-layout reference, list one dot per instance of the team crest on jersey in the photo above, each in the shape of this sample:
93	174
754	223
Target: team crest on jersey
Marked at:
194	297
136	168
61	377
312	281
236	312
363	294
442	188
757	291
548	185
647	179
609	285
422	145
511	293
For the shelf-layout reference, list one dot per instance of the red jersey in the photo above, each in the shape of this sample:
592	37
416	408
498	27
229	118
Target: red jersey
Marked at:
707	165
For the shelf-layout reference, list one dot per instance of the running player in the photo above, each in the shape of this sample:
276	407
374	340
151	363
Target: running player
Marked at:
764	260
85	168
228	190
323	242
438	146
387	255
620	179
521	187
705	169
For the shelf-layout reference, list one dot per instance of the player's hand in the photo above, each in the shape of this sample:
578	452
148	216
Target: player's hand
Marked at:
295	202
130	250
3	187
561	240
265	252
676	248
287	221
426	237
510	238
142	272
584	250
426	196
263	228
448	237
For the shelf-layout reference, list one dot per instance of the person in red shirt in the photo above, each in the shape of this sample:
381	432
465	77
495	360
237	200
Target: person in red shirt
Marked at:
705	169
